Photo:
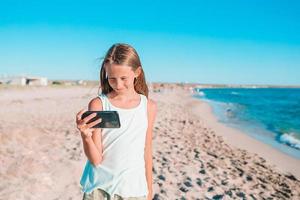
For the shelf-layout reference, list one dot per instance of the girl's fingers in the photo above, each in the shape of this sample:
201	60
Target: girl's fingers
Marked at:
89	125
79	114
89	117
81	126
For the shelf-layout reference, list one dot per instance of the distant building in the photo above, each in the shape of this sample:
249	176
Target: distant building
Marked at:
80	82
24	80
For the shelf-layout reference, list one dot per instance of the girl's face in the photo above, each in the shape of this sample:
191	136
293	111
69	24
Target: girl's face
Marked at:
121	77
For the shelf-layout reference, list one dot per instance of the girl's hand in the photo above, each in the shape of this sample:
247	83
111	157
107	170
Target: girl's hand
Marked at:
84	128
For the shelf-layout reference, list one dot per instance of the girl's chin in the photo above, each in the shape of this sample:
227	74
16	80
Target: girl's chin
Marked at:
120	91
123	92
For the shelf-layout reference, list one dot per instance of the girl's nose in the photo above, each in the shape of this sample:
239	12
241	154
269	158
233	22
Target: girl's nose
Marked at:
119	85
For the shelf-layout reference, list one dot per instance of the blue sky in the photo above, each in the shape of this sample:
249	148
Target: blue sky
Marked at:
231	42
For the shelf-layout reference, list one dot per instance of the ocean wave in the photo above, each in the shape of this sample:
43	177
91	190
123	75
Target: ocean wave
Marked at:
235	93
202	94
199	92
290	140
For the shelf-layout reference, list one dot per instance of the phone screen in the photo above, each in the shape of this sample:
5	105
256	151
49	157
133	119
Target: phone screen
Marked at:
110	119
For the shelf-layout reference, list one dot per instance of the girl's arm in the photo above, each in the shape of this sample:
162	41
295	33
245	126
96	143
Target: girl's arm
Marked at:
152	109
90	150
93	144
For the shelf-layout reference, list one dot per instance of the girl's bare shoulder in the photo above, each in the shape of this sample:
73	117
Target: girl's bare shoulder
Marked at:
152	105
95	104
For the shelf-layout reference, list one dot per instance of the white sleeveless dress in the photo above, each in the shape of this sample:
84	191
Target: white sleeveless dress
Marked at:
122	170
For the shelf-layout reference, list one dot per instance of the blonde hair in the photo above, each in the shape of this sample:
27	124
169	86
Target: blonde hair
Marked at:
123	54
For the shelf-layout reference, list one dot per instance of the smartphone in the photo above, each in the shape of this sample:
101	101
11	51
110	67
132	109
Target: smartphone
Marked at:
110	119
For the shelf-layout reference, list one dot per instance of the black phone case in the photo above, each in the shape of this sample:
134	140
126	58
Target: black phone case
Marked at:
110	119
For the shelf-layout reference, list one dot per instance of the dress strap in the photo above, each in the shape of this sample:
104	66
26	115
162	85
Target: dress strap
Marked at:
145	104
103	101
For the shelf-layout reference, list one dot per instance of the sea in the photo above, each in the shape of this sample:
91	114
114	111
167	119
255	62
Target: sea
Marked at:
271	115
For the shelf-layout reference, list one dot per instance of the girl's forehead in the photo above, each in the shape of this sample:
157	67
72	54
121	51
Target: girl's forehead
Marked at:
118	69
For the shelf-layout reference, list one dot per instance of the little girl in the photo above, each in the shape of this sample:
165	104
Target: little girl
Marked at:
119	160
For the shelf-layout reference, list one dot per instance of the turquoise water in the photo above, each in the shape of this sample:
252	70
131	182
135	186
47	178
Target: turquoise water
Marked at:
271	115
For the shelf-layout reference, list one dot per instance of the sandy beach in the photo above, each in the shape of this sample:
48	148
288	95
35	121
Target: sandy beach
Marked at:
194	156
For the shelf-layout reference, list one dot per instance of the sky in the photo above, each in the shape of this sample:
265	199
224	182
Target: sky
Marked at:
225	42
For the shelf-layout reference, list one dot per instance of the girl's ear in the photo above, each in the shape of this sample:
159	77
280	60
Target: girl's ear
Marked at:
138	72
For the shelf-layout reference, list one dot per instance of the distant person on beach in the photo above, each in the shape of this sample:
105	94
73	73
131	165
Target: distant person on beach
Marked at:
119	160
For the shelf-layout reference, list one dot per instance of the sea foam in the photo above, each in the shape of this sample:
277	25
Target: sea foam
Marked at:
290	140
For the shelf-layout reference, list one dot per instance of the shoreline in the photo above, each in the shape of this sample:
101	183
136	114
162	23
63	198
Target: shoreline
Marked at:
239	139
